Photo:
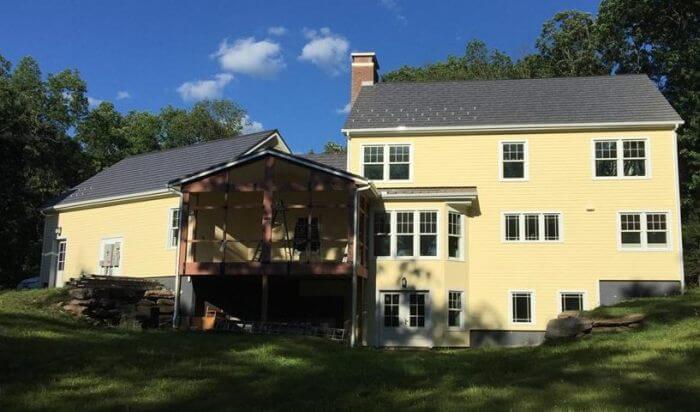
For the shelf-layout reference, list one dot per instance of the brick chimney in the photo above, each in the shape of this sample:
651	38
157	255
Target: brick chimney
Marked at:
364	69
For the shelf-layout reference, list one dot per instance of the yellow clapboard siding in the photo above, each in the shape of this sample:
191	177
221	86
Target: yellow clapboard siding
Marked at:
560	179
143	225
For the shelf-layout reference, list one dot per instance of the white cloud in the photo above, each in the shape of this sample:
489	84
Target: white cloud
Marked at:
204	89
248	56
277	31
123	94
92	102
326	50
395	9
345	109
251	126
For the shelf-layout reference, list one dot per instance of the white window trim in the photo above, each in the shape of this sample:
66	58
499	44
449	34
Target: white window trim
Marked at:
168	244
532	306
416	235
462	254
58	253
111	239
385	163
462	317
643	247
526	161
584	298
521	224
620	158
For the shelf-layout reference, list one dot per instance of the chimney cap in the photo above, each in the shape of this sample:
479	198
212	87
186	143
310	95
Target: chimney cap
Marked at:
355	55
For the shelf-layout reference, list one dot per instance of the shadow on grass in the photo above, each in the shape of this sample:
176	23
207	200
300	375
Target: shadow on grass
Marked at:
53	362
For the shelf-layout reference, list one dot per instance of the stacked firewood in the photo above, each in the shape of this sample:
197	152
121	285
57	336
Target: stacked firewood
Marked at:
112	301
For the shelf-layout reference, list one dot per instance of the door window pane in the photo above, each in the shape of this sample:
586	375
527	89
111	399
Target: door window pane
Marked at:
417	310
522	307
391	310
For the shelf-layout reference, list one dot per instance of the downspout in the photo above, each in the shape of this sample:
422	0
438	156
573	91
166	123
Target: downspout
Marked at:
678	207
356	227
176	312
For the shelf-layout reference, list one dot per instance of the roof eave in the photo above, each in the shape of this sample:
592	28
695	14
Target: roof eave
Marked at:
512	128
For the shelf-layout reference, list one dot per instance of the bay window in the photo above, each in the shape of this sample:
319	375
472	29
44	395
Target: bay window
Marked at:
454	235
405	233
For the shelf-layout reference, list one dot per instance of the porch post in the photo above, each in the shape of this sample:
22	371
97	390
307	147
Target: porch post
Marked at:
266	249
352	252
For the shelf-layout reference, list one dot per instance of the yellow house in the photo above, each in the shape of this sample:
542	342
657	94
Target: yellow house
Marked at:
463	214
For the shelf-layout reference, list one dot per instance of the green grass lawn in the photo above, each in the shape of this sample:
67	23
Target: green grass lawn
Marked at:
49	361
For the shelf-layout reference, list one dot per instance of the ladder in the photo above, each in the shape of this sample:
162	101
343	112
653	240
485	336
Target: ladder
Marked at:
279	208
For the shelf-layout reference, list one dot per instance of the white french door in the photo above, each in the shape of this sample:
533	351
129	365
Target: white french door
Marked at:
405	318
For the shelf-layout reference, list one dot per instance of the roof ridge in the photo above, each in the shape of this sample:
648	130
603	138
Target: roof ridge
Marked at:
267	133
510	80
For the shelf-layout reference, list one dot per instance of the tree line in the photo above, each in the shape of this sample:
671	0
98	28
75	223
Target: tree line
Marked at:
657	38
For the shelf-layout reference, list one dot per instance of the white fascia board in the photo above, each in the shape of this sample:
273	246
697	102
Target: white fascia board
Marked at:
109	200
265	152
510	128
274	135
445	196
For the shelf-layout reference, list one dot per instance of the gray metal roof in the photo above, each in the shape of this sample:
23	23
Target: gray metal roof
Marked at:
334	160
152	171
599	99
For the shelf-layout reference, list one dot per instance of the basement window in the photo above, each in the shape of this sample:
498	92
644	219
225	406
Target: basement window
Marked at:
521	307
454	309
571	301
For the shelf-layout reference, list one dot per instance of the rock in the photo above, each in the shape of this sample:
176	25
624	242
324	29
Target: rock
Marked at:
165	308
145	302
162	301
621	321
566	328
80	293
610	329
159	294
74	309
82	302
569	314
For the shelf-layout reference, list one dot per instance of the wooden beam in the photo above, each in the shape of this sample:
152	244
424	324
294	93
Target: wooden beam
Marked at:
351	226
266	247
184	221
264	298
316	269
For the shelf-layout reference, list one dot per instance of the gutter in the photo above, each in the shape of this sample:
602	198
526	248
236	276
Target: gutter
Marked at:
508	128
108	200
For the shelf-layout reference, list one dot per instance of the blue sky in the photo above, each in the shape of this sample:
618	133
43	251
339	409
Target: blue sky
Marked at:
285	62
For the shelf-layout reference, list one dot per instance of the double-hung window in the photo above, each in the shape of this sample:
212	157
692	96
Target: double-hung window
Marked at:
61	257
622	158
174	227
643	230
521	307
404	233
532	227
454	235
454	309
390	162
382	234
513	160
428	233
